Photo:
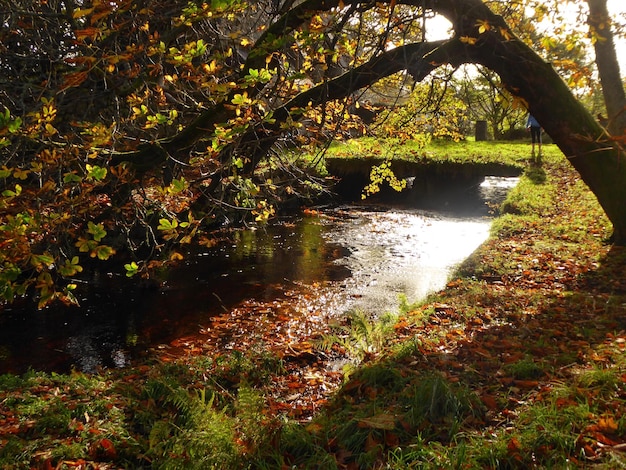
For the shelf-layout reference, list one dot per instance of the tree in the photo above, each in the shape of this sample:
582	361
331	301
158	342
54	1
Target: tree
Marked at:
132	127
487	100
608	66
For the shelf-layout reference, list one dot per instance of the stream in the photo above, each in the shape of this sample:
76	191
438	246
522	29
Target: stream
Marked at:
287	278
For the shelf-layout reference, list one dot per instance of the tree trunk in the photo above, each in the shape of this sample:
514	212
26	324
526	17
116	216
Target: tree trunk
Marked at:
598	159
608	66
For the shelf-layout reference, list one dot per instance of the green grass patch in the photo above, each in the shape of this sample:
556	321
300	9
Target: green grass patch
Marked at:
516	154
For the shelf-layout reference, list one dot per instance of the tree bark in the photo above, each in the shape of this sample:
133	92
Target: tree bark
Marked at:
608	66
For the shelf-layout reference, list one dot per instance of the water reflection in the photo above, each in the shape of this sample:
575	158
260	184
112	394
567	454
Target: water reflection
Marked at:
403	252
298	271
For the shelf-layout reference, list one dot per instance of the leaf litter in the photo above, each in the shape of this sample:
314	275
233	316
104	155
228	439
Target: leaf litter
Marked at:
528	342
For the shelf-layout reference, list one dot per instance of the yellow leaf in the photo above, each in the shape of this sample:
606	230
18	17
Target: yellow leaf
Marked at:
50	129
468	40
607	425
176	256
82	13
211	67
505	34
483	25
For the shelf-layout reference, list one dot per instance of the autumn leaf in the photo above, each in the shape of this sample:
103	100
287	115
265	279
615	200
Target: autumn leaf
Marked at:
505	33
513	446
81	13
176	256
102	252
74	79
96	230
380	421
468	40
483	26
607	425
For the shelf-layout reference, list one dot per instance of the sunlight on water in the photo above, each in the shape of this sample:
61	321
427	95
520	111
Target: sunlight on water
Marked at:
406	252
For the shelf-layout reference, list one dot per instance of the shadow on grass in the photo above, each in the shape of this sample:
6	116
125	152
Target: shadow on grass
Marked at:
496	374
536	173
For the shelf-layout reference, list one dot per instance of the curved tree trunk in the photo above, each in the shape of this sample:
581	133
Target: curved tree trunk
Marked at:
592	152
597	157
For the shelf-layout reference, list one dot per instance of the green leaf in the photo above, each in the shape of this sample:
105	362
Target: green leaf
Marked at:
103	252
166	225
241	100
95	172
131	269
14	125
10	272
71	267
5	172
96	231
71	178
84	245
41	260
10	193
177	186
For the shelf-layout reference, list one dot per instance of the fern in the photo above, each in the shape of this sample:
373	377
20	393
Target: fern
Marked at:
327	341
360	336
253	424
192	434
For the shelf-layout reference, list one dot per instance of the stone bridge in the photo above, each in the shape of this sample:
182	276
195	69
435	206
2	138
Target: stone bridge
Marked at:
445	182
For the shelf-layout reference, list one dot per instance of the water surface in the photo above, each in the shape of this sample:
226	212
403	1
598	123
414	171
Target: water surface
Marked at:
290	276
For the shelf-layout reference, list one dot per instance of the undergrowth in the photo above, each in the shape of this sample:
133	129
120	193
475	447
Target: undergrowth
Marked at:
519	363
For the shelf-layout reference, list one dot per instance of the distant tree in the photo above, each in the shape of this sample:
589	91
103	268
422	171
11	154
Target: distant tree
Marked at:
486	99
431	111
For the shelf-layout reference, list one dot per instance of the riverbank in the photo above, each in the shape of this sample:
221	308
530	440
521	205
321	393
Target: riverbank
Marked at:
519	363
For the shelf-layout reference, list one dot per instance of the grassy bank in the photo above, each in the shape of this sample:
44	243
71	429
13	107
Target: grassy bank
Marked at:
519	363
441	151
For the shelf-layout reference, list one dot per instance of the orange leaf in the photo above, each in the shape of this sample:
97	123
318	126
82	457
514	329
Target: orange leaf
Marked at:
526	383
513	446
74	79
109	448
490	402
607	425
87	33
371	443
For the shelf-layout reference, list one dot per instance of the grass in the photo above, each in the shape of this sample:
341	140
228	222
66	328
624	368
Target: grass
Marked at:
436	152
519	363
